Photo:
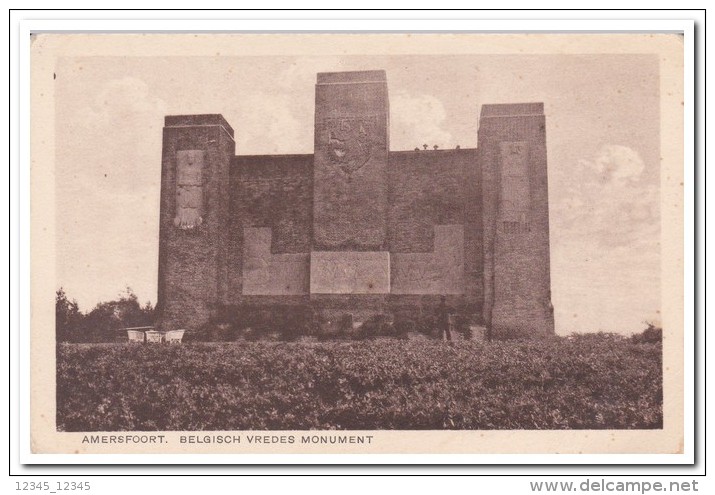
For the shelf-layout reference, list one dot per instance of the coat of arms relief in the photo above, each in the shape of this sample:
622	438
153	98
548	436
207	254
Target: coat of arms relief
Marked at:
349	141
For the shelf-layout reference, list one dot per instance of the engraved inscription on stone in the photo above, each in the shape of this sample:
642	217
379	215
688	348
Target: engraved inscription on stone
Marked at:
515	195
438	272
350	272
189	188
265	273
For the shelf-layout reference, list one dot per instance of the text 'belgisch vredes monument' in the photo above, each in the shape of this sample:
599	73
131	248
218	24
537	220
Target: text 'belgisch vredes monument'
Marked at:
356	229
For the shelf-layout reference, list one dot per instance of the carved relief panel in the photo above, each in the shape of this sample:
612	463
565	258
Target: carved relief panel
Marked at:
350	272
438	272
189	188
271	274
349	141
514	193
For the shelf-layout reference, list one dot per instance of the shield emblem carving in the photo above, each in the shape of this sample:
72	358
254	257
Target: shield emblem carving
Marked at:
349	142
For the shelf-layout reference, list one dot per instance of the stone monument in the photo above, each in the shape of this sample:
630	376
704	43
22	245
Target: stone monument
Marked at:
355	228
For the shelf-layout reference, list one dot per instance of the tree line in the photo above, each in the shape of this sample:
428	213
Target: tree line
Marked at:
104	322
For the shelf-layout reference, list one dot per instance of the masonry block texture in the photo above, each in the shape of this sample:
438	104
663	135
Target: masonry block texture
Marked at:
512	155
350	162
309	233
193	270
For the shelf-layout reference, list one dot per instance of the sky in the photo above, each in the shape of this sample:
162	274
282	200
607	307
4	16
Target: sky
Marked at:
602	118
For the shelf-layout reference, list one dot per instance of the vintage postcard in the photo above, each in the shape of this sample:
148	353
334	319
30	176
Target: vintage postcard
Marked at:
357	243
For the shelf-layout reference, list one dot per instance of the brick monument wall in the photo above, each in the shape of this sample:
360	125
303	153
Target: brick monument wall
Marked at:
270	196
436	193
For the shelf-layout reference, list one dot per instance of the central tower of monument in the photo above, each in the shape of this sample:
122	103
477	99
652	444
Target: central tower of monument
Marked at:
350	181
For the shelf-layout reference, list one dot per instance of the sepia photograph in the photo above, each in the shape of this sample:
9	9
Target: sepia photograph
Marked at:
270	243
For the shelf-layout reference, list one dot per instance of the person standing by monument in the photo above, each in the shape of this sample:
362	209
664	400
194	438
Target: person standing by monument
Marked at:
443	319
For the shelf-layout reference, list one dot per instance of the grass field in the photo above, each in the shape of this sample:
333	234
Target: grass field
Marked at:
591	381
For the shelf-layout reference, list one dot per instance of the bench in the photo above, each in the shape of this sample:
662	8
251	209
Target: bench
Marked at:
174	336
154	336
136	336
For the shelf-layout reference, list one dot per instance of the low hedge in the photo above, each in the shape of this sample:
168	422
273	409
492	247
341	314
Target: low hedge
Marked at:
594	382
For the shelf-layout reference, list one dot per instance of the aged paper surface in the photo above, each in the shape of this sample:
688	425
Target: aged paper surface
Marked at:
96	158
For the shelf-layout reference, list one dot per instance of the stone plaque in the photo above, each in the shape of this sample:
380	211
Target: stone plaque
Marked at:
515	193
438	272
265	273
349	272
189	188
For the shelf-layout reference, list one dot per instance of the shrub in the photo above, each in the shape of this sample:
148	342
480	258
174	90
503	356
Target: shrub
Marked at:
103	322
68	318
404	326
213	332
379	325
285	322
651	335
338	328
581	382
424	324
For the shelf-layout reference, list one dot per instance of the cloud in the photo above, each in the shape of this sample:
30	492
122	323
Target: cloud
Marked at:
281	118
119	99
605	235
269	124
301	72
607	199
416	119
616	163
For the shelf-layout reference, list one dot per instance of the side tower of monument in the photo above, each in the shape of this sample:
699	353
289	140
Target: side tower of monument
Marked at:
517	285
196	156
